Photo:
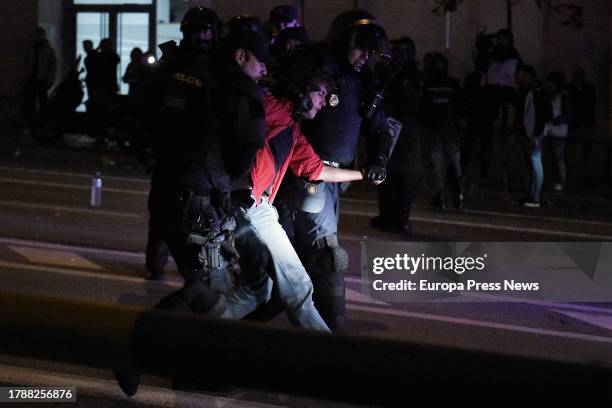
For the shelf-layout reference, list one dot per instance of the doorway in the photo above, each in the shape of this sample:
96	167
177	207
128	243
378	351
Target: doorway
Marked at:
127	25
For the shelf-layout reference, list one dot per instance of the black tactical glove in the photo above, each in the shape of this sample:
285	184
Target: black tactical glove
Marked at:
374	174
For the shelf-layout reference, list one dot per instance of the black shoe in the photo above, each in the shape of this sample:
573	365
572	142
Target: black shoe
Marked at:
531	204
459	201
128	379
439	203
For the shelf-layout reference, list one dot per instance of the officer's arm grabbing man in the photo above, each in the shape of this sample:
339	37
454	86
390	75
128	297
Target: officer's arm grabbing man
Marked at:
353	37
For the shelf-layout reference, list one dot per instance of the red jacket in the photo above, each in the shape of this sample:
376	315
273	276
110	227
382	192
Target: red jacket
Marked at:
284	147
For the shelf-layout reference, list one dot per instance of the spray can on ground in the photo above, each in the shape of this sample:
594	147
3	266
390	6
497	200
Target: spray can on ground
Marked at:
96	191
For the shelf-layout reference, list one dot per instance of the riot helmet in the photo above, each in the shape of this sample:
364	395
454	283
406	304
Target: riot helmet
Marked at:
357	30
201	29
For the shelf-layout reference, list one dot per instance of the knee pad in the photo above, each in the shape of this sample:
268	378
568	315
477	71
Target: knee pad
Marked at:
340	258
327	261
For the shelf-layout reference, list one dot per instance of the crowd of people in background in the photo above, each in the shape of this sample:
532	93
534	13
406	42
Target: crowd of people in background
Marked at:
443	121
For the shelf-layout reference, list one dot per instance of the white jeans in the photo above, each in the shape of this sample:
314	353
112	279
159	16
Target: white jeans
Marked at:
273	264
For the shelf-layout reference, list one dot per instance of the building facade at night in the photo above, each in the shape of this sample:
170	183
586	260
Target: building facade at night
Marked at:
540	35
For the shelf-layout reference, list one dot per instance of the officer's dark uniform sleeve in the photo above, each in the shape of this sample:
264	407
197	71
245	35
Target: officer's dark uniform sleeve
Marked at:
245	135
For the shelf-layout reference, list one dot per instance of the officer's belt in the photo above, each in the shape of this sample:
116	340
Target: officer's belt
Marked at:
331	164
327	241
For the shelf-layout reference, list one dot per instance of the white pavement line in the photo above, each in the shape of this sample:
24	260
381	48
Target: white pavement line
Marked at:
483	324
402	313
345	199
496	214
506	299
386	311
72	186
45	256
604	321
64	247
344	212
71	174
543	303
83	274
492	226
31	206
106	388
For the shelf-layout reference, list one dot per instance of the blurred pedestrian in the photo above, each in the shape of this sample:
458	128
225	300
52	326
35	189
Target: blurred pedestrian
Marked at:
41	70
441	111
533	111
107	61
499	99
90	65
135	72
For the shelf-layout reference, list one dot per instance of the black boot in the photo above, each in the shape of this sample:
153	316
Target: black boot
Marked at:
459	206
438	202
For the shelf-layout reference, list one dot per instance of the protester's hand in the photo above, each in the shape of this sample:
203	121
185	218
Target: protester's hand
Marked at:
374	174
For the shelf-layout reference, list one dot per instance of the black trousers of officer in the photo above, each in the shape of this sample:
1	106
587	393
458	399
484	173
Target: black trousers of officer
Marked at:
171	212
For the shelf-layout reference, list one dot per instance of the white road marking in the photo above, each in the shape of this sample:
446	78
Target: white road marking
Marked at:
70	174
482	323
583	235
353	279
64	247
465	296
496	214
55	257
371	309
72	186
578	235
599	320
83	274
144	192
62	208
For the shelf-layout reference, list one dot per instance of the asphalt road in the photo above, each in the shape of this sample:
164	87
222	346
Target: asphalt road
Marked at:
53	243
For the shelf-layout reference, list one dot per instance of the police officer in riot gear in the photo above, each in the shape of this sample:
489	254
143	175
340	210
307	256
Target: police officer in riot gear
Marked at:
353	37
189	198
396	194
441	110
